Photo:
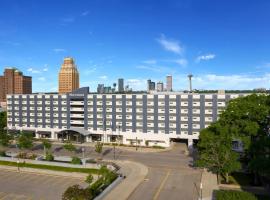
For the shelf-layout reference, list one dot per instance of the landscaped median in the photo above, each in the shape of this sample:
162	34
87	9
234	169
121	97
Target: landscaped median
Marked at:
50	167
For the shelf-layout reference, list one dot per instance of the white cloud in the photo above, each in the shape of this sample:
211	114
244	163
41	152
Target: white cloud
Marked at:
59	50
67	20
34	71
150	62
41	78
137	84
104	77
157	69
205	57
231	82
170	45
182	62
90	71
85	13
45	69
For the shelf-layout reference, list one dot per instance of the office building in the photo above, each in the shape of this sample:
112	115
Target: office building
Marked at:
120	85
100	88
160	87
14	82
142	119
151	86
169	83
68	76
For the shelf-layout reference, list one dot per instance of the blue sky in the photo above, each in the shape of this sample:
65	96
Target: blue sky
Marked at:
224	44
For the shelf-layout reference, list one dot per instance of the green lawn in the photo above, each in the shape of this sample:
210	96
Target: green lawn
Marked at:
51	167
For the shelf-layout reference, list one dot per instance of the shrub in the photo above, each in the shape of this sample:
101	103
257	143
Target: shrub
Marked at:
75	192
91	161
49	157
75	160
234	195
158	147
89	179
2	153
22	155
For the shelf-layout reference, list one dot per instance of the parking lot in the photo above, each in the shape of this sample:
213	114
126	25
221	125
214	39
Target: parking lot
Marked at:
26	186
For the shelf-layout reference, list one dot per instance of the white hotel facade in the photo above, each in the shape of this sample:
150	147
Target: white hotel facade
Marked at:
137	119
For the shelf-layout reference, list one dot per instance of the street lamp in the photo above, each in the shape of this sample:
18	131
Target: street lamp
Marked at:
136	143
18	165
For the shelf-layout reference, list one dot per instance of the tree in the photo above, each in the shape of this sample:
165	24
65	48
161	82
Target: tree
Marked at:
4	138
98	147
46	146
248	119
3	120
25	141
215	151
75	192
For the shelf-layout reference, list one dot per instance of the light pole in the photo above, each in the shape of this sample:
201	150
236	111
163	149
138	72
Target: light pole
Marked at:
83	150
18	165
136	143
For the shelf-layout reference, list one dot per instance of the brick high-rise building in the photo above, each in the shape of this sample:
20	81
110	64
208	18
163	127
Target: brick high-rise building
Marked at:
68	77
169	83
13	82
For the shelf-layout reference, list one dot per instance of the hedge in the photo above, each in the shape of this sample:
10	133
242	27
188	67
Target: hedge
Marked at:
51	167
234	195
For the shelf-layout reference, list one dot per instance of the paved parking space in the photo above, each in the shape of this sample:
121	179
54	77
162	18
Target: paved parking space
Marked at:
26	186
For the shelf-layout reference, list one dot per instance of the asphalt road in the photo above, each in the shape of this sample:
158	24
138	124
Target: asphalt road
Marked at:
170	175
28	186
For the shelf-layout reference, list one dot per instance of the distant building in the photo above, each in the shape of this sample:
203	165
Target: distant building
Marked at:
100	89
107	89
151	86
160	87
13	82
169	83
68	77
120	85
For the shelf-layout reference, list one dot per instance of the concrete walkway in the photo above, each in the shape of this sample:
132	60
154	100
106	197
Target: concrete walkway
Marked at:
209	184
135	173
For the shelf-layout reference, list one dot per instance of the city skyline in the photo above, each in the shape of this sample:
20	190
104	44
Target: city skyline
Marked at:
152	41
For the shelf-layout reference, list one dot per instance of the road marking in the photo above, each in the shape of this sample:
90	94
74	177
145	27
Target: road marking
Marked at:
162	185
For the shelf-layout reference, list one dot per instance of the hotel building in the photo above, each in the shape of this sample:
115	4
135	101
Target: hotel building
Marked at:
137	119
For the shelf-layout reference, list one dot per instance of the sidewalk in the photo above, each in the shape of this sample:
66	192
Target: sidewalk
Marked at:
209	184
135	174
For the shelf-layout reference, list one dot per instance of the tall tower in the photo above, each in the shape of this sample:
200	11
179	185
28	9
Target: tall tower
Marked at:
68	76
120	85
169	83
190	82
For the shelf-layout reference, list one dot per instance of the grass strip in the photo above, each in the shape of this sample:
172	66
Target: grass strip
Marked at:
51	167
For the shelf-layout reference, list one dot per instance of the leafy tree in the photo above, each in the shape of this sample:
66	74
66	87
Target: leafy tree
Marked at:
46	146
25	141
98	147
4	138
248	119
75	192
3	120
215	151
89	179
